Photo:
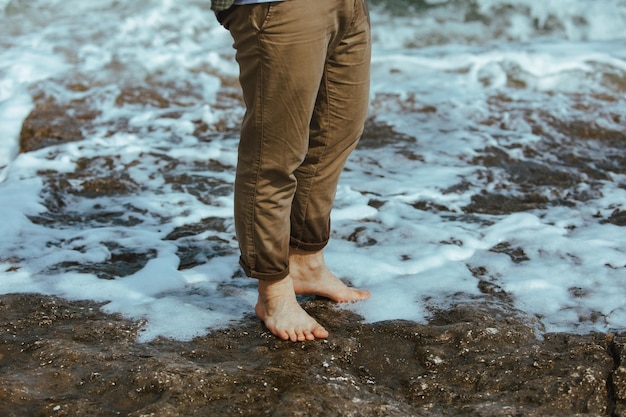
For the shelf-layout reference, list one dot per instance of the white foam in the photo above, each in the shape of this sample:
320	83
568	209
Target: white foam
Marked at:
412	260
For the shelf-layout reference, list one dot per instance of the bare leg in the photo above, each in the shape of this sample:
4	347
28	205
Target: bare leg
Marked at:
311	276
283	316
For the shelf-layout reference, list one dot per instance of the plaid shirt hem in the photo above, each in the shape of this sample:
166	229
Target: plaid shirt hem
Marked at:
218	5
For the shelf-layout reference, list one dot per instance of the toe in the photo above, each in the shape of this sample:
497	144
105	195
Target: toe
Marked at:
320	332
293	336
300	336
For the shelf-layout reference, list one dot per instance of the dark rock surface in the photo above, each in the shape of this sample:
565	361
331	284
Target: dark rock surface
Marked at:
67	358
51	123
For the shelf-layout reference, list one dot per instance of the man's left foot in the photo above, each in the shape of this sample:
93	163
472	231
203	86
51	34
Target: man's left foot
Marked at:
310	275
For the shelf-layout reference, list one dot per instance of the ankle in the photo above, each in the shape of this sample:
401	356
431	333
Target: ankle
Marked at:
274	289
309	259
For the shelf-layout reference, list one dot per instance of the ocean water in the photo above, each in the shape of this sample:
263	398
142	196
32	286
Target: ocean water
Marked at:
540	85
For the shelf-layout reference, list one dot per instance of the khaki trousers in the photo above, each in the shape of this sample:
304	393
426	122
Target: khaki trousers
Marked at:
304	72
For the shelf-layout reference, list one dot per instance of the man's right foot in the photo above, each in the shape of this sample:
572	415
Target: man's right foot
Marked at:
283	316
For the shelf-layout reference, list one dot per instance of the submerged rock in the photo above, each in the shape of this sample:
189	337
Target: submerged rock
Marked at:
50	124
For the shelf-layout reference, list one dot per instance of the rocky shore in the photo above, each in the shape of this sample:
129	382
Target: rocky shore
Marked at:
66	358
480	358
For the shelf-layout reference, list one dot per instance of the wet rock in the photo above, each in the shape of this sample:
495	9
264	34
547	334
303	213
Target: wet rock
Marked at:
618	218
192	250
526	172
580	129
489	203
49	124
68	358
377	135
142	96
517	255
122	262
617	382
109	186
204	189
210	223
429	206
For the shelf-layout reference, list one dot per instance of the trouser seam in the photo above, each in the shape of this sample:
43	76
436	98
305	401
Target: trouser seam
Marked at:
259	123
321	157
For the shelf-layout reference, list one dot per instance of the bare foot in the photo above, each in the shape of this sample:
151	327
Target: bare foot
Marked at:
311	276
283	316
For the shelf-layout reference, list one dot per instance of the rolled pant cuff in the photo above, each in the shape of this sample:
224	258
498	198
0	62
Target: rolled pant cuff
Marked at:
309	247
262	276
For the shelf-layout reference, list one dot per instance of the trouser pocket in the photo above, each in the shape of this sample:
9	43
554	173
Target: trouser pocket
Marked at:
257	15
222	15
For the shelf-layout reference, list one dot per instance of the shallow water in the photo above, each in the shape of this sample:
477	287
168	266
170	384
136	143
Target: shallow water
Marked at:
493	162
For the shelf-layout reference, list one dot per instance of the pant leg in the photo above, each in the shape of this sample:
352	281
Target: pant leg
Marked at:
281	49
283	54
337	124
